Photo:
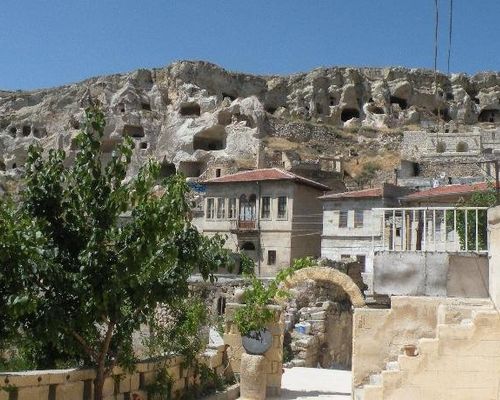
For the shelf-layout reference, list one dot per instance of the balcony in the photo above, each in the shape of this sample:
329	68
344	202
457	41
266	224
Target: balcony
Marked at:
434	229
243	226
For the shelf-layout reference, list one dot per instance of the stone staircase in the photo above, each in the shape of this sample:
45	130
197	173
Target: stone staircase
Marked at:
461	362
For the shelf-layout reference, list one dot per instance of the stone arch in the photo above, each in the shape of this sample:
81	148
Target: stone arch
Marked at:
331	275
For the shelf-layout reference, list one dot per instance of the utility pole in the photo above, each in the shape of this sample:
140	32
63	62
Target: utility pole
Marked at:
497	185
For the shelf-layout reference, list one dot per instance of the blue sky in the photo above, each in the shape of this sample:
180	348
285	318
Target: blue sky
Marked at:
45	43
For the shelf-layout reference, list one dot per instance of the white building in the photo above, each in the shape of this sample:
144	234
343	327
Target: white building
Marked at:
351	229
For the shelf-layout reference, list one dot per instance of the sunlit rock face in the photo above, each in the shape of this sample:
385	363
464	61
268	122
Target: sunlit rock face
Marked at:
193	115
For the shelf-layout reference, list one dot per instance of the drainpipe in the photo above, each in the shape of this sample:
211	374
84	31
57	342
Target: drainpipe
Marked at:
257	211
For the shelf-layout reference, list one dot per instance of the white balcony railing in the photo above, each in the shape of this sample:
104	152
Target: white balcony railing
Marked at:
440	229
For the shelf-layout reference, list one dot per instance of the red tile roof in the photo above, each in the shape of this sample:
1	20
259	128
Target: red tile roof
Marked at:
448	190
267	174
356	194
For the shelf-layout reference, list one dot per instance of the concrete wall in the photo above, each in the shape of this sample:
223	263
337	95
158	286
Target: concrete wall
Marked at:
274	356
494	254
430	274
77	384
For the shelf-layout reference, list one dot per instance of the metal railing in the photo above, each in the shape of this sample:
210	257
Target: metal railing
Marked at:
440	229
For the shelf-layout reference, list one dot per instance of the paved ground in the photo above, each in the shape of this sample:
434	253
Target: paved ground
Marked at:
315	383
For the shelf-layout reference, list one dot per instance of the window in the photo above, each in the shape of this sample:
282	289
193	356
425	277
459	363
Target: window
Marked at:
232	208
221	208
265	208
343	219
361	259
358	218
221	305
271	257
247	207
210	208
217	172
282	200
345	257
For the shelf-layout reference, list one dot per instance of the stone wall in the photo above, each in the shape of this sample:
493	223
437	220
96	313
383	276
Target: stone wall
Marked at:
494	254
77	384
380	334
461	361
273	357
299	132
329	341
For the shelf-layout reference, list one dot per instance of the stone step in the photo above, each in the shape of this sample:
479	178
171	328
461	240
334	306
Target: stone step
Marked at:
459	331
392	379
427	345
359	393
392	366
376	379
373	392
486	317
407	363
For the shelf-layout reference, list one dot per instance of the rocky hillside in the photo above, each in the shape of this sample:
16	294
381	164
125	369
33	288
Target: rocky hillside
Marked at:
196	117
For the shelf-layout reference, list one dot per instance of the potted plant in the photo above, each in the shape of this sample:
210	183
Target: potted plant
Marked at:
255	313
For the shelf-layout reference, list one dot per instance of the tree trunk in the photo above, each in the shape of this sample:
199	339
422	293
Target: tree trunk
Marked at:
99	382
101	370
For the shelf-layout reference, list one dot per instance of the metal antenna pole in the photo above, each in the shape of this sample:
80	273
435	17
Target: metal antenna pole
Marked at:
497	185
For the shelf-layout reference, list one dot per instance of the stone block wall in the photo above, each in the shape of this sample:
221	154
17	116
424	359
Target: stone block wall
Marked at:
77	384
274	356
329	342
380	334
462	361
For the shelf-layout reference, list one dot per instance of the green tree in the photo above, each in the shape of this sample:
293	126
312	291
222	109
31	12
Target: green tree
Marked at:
78	279
478	199
255	314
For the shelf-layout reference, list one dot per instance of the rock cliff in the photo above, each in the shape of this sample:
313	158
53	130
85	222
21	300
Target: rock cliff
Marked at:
196	117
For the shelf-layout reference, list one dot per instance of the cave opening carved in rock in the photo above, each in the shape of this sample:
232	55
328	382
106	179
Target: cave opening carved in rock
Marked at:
135	131
403	104
349	113
213	138
109	144
191	169
167	169
489	116
190	109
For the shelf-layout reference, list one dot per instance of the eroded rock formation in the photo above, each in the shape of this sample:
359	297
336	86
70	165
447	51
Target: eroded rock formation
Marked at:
194	116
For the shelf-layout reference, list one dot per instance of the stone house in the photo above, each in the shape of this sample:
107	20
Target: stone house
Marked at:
352	229
273	216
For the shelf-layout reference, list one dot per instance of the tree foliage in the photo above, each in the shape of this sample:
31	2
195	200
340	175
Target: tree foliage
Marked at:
255	314
478	199
77	278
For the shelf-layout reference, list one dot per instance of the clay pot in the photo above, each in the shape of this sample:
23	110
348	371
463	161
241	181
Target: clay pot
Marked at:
410	350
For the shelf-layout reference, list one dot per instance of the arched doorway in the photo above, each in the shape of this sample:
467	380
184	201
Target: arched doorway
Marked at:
319	318
249	249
